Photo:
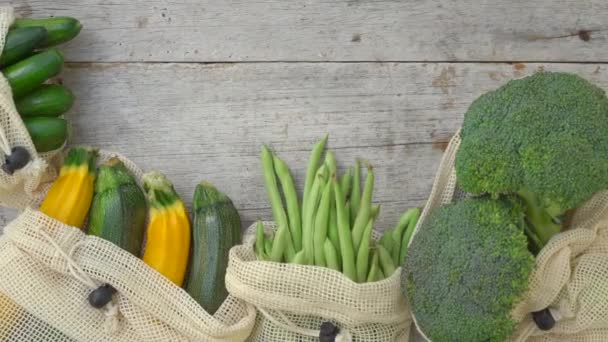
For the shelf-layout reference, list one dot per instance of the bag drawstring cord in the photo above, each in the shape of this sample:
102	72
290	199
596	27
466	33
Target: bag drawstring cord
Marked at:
111	309
287	324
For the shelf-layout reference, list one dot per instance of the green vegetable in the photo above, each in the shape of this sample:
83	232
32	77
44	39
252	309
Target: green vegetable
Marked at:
313	165
346	243
467	268
346	182
375	274
321	225
364	209
299	258
259	241
291	199
375	211
48	134
331	164
348	221
542	137
216	228
387	240
268	247
28	74
397	235
278	212
309	214
48	100
119	209
355	195
331	255
60	29
407	236
20	43
363	253
386	261
332	230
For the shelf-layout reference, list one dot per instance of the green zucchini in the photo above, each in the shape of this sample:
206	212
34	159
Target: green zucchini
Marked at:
60	29
20	43
48	134
216	228
30	73
118	212
48	100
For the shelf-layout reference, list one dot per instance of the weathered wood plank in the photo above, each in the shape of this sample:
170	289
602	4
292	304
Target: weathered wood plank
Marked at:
340	30
207	122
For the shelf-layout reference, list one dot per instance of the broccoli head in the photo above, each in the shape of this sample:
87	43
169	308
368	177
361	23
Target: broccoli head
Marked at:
466	269
543	137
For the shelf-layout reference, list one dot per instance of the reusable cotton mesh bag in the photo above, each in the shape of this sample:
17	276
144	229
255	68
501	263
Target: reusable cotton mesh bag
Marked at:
26	185
48	269
571	273
294	300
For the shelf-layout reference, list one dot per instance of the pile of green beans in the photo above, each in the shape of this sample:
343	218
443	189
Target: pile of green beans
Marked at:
332	225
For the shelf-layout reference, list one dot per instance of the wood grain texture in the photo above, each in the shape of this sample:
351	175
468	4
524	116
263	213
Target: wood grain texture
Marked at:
340	30
207	122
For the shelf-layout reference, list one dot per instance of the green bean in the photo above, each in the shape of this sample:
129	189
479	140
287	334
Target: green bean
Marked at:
321	222
268	246
355	195
386	261
281	246
277	207
346	243
387	240
374	268
309	216
299	258
348	221
330	162
331	255
346	182
332	230
313	165
381	275
363	253
291	199
364	209
259	240
375	211
408	235
404	221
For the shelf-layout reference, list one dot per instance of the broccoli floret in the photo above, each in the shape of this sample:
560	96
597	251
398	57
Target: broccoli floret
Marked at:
466	269
543	137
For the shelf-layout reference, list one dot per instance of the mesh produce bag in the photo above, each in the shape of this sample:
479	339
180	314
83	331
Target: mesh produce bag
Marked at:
48	270
293	301
571	273
25	186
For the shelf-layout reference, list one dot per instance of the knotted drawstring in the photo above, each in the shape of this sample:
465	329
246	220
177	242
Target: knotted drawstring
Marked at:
287	324
111	309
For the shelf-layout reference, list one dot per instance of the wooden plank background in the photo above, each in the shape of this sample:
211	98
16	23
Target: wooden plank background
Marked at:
194	88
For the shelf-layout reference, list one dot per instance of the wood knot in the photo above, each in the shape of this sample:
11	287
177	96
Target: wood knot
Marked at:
584	35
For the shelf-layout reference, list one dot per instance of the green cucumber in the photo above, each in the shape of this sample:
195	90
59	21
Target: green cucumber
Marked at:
20	43
30	73
216	228
60	29
48	100
47	133
118	212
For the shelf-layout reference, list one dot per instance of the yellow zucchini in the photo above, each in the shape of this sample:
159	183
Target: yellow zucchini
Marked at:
168	235
69	198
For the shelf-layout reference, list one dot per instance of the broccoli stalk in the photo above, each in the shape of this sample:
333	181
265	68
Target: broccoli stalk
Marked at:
541	223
